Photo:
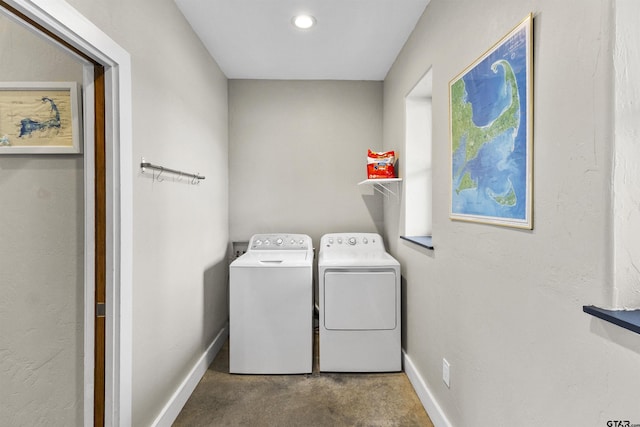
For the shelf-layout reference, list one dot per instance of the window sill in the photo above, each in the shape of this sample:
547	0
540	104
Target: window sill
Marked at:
424	241
628	319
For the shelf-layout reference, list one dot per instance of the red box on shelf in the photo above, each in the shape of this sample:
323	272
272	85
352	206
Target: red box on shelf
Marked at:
381	165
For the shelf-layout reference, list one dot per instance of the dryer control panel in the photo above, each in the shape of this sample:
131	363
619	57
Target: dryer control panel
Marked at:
357	241
281	242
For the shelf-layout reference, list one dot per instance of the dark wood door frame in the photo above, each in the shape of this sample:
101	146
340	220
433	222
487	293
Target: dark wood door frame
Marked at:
100	193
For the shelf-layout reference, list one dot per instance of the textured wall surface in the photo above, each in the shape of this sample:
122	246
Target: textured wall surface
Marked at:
41	257
504	306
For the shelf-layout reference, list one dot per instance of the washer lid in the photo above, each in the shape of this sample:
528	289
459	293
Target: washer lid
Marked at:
274	258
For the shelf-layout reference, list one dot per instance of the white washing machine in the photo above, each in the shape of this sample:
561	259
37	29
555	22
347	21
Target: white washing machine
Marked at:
359	290
271	306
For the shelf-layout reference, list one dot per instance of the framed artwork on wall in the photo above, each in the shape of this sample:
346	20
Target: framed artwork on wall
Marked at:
491	133
39	117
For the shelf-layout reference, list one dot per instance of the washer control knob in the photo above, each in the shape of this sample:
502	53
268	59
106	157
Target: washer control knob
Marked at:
293	242
258	242
267	242
352	241
279	242
365	240
331	241
339	241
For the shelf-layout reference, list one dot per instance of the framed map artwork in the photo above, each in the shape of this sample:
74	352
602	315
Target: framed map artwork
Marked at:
490	117
39	117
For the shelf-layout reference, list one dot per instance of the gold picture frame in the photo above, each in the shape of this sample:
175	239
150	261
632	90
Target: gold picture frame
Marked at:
40	118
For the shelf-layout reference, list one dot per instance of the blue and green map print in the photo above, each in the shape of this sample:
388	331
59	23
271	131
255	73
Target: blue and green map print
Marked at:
490	135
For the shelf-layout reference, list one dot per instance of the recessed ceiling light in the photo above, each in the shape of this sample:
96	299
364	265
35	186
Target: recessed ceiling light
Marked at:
303	22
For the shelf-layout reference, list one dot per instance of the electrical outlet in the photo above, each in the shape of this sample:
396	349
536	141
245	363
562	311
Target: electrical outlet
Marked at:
446	372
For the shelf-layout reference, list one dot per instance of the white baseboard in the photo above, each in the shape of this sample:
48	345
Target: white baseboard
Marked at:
173	407
425	395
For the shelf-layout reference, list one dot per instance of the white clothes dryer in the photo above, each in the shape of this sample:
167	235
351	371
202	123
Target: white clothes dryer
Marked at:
271	306
359	292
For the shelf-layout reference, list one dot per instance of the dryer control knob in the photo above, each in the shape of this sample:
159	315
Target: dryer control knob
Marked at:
352	241
364	240
279	242
339	241
267	242
258	242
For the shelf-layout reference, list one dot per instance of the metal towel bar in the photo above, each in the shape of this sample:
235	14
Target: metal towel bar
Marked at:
144	165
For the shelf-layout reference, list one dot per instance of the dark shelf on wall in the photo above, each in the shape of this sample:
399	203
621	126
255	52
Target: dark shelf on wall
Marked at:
424	241
628	319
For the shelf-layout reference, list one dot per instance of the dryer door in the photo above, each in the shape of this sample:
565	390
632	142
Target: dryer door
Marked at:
360	300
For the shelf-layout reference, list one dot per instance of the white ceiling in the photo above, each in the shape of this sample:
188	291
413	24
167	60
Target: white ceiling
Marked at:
352	40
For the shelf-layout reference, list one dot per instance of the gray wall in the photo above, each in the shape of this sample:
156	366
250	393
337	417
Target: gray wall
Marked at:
297	151
504	306
180	230
41	257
